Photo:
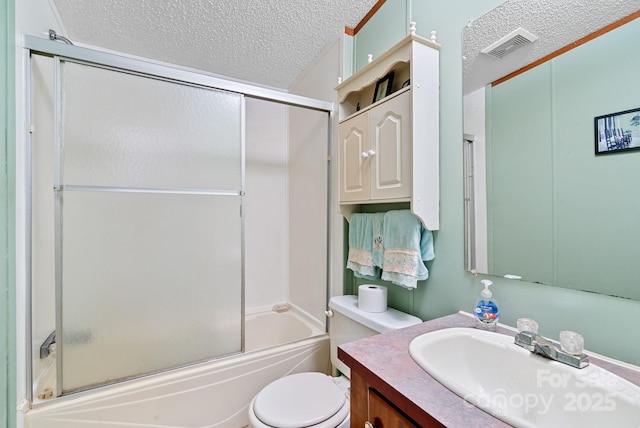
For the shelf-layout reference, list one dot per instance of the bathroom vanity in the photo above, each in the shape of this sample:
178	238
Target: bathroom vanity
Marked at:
389	389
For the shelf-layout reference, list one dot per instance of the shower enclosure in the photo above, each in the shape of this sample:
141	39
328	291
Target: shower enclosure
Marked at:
143	229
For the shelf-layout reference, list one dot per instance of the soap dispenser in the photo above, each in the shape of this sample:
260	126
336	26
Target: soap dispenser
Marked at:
486	310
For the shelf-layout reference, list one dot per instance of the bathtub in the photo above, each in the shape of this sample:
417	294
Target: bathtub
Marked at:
212	394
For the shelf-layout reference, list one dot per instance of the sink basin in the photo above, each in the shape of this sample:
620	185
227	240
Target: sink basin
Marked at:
523	389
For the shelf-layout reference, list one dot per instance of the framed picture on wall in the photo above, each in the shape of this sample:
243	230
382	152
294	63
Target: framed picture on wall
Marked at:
383	87
617	132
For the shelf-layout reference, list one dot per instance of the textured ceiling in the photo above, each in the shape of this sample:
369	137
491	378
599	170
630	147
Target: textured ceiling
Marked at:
268	42
271	42
557	23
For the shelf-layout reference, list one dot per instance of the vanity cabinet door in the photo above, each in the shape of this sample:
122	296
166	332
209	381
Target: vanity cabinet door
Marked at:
355	161
383	415
369	409
390	133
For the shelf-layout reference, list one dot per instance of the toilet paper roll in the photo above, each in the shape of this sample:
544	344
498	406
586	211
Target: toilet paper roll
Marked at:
372	298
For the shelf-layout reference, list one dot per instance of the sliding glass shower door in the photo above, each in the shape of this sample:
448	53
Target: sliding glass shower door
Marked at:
147	196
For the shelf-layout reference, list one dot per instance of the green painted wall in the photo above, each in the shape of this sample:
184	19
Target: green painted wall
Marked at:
606	322
383	30
7	219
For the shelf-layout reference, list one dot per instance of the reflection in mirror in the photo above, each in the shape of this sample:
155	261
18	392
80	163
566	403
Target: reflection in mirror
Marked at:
546	208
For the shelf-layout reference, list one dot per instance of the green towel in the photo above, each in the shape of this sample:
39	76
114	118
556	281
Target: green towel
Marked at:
360	258
406	244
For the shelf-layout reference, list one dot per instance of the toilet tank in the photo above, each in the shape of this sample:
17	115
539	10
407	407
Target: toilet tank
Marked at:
349	323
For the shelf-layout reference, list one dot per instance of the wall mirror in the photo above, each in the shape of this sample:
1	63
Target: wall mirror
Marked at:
543	206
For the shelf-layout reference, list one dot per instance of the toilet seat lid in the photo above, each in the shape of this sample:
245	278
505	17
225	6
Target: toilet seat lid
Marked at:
299	400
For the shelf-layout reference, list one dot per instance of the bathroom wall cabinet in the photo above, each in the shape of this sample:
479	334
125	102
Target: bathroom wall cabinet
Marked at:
375	153
389	144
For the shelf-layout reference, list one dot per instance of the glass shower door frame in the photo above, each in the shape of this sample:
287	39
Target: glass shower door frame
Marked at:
76	331
95	58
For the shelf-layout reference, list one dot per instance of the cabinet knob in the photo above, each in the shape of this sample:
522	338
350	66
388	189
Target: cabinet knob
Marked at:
365	155
371	152
368	425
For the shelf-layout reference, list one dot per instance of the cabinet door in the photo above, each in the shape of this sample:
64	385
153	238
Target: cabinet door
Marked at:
355	162
384	415
391	146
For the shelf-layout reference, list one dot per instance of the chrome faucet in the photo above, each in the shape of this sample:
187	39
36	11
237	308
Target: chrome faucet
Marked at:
550	349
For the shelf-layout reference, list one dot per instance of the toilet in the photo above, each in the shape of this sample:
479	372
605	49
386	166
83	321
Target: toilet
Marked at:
315	400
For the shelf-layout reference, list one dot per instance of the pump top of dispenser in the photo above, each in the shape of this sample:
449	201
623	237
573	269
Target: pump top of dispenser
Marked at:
486	293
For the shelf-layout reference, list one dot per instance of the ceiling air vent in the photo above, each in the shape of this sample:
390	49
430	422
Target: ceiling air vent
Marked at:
512	41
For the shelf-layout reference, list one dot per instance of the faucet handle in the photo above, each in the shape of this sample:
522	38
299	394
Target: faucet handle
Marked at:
571	342
527	324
